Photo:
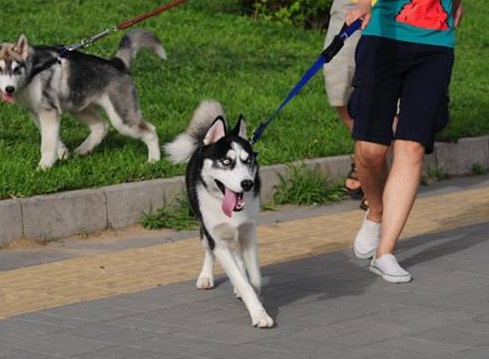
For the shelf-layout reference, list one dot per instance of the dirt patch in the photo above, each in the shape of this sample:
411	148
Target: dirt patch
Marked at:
24	243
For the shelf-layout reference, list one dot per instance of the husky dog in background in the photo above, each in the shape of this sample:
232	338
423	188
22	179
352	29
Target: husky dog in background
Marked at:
223	186
80	84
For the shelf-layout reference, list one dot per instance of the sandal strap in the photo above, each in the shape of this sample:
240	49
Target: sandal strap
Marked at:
352	174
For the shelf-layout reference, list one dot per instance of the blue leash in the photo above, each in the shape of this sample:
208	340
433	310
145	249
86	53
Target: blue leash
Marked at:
324	58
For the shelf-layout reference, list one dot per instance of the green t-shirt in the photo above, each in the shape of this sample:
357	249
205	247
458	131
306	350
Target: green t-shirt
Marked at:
427	22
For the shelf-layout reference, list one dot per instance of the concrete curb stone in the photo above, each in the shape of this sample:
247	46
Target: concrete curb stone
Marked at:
64	214
460	157
10	221
60	215
127	202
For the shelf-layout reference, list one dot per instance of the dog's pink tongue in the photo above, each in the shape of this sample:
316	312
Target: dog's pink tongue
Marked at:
229	202
7	98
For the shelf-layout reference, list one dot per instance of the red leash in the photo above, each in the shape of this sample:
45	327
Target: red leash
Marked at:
122	26
128	23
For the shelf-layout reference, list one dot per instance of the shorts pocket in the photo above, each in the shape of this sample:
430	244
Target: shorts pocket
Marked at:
354	101
443	116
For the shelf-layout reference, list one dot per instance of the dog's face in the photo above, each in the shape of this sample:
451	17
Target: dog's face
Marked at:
13	67
229	168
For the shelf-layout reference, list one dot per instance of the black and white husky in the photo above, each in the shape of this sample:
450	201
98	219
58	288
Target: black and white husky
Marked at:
80	84
223	186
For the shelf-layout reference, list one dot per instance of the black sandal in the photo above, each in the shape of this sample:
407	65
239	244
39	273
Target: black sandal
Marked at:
356	192
364	204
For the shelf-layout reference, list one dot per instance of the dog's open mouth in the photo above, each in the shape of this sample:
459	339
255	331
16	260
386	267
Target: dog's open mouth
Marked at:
232	202
7	98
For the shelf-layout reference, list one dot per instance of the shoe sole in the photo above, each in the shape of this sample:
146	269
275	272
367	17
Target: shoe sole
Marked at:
367	255
390	278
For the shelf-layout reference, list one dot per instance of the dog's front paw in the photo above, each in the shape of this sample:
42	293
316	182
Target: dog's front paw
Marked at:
63	152
154	155
204	282
46	163
236	293
261	319
82	150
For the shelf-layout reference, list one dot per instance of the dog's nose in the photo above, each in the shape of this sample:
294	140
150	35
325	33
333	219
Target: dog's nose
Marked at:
247	185
10	90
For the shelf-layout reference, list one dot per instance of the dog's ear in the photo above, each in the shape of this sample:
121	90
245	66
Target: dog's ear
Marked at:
240	128
216	131
22	47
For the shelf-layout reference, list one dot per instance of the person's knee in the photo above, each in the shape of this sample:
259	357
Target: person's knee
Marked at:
370	154
409	149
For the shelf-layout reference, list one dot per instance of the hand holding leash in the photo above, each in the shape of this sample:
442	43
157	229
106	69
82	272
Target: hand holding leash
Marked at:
362	11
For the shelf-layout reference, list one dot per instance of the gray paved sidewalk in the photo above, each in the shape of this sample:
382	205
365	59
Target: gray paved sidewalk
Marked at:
326	306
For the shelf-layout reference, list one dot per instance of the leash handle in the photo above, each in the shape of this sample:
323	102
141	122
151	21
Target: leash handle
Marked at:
130	22
347	31
339	40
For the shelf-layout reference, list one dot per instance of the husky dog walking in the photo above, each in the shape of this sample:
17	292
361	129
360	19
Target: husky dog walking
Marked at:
223	186
80	84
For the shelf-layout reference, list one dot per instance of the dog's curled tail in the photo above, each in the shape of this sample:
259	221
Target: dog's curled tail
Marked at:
185	144
135	40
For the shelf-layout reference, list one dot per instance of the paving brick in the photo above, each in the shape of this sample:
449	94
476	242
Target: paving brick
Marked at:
21	354
170	347
44	318
242	352
238	333
152	326
64	214
119	352
109	333
468	333
92	312
297	345
28	327
477	353
126	203
54	344
10	221
412	348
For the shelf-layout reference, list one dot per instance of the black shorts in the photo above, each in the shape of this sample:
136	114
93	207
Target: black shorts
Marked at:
388	71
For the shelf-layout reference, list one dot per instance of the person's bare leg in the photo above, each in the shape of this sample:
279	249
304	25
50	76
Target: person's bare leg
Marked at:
345	116
352	183
400	192
372	170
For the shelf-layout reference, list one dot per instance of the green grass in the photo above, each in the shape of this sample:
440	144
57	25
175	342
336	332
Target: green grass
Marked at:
248	66
177	215
304	186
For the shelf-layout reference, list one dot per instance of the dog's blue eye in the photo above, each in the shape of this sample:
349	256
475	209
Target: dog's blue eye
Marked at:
226	161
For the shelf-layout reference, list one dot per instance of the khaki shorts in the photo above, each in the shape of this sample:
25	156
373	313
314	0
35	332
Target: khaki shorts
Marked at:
338	73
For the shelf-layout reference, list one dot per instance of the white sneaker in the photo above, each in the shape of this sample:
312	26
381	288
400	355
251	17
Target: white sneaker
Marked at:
387	267
367	239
